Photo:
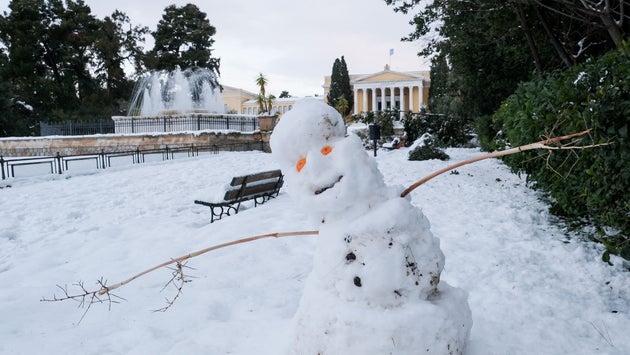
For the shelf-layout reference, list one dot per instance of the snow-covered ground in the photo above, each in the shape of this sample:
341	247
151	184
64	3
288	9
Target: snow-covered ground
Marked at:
532	289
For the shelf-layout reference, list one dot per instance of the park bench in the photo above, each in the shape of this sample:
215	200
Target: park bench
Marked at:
260	187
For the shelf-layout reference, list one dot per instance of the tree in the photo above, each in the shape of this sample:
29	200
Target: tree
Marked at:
183	39
270	101
486	48
342	104
63	63
440	92
264	102
340	86
284	94
117	43
49	51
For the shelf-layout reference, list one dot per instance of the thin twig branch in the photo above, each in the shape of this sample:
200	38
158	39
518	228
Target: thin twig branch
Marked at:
203	251
177	280
544	144
87	298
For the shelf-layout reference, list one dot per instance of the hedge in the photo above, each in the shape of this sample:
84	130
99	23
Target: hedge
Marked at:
590	186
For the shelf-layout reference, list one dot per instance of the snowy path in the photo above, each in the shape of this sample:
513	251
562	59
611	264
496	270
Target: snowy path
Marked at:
530	291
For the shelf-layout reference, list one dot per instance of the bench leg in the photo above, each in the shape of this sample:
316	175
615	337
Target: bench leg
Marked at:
214	215
217	212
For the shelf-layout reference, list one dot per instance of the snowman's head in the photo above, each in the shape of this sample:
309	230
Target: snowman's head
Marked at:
327	172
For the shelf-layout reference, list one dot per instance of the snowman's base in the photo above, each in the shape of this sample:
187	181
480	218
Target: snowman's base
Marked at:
325	325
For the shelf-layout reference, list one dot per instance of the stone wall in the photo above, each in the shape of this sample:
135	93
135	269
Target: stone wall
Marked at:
76	145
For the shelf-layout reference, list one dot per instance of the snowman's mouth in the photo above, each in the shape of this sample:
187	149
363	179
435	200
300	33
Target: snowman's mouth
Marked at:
328	187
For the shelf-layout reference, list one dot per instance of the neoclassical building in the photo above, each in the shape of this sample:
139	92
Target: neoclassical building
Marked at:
244	102
407	91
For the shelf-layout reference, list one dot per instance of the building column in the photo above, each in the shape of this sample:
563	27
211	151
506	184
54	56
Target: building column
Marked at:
392	97
356	104
383	103
420	103
365	100
374	105
411	107
402	99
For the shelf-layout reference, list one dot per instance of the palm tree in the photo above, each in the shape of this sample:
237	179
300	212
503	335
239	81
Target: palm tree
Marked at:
261	81
262	103
270	100
262	99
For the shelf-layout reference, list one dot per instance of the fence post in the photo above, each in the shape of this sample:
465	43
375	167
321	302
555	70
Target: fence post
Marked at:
164	119
132	127
58	158
102	158
199	122
2	166
227	122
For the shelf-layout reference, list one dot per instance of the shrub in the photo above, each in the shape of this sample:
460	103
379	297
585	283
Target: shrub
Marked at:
448	130
426	150
591	185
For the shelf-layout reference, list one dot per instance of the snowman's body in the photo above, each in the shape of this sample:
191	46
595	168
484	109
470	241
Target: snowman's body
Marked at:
375	286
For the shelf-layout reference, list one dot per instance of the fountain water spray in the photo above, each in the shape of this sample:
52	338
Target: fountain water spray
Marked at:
177	92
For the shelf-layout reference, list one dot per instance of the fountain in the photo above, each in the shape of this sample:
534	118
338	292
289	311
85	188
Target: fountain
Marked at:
177	92
180	100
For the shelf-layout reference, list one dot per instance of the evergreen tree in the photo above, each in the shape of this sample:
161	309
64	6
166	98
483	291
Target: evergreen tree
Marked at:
60	62
117	44
334	93
340	87
50	52
183	39
440	92
492	45
345	87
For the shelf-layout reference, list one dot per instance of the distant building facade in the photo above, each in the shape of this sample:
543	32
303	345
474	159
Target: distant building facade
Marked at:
407	91
244	102
233	98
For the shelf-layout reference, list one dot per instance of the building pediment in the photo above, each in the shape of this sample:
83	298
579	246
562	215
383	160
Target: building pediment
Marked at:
387	75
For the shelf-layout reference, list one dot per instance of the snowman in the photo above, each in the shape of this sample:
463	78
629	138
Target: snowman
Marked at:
375	285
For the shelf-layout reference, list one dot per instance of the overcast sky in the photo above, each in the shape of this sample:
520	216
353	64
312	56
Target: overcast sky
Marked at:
293	43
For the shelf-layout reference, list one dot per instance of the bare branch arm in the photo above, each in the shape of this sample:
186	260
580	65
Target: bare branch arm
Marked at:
544	144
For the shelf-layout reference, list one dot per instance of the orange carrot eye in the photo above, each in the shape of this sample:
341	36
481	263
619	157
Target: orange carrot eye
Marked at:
326	150
300	164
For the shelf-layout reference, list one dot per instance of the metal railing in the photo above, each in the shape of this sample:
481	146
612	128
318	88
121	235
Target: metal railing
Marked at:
132	124
190	122
77	128
59	163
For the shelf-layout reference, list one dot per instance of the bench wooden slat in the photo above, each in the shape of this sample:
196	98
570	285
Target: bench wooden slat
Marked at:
252	190
272	174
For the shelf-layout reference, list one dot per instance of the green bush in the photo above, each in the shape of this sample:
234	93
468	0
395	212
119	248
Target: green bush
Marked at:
428	150
448	130
591	185
385	119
